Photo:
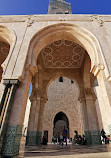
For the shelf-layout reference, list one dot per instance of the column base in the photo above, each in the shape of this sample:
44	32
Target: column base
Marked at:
31	138
93	137
39	137
11	141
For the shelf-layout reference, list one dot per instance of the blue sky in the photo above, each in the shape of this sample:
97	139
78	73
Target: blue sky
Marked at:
19	7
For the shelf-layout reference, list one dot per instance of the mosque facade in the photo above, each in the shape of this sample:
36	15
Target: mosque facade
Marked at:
67	59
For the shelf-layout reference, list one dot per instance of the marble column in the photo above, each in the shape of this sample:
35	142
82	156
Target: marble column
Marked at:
13	132
92	131
32	133
41	120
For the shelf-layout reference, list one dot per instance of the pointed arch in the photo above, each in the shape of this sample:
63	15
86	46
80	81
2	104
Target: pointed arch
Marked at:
70	32
7	36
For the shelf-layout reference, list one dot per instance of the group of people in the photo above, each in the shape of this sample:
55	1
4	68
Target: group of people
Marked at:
78	139
61	138
81	140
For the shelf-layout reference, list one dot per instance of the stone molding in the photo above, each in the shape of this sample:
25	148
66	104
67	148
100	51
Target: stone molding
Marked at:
98	19
30	19
97	69
13	82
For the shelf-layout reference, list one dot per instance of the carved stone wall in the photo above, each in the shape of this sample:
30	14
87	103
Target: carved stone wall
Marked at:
63	97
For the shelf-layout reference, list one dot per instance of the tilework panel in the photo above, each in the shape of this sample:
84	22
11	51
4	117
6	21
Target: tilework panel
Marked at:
11	140
33	138
93	137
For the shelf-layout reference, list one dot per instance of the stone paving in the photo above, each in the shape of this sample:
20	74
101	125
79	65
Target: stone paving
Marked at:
76	151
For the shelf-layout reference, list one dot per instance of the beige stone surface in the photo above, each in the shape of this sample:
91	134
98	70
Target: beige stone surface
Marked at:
28	35
63	97
25	27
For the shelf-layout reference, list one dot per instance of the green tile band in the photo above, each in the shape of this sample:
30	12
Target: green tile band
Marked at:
93	137
11	142
33	138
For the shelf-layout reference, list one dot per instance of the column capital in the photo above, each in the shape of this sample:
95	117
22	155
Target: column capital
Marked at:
11	81
90	97
42	99
96	69
33	69
81	99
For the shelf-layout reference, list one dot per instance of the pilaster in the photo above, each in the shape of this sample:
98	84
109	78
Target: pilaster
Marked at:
92	131
41	120
17	105
103	92
6	131
32	134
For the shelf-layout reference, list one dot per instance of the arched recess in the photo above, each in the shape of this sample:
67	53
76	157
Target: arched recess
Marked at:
60	120
66	32
70	32
7	42
63	97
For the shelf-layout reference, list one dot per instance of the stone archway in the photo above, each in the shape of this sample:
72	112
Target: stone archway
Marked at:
65	56
60	121
42	39
70	32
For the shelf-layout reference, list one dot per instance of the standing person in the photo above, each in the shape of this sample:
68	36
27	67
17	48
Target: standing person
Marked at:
52	139
83	140
59	141
76	137
103	135
65	135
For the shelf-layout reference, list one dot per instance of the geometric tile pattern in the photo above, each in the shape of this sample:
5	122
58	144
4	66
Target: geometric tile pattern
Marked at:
93	137
11	140
33	138
63	54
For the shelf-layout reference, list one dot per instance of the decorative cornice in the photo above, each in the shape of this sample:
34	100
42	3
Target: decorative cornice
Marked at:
30	19
97	19
11	81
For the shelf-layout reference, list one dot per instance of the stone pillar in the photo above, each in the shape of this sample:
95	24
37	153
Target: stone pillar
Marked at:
12	136
103	91
41	120
33	122
92	131
10	87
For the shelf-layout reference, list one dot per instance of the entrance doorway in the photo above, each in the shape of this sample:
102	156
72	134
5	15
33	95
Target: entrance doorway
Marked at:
60	121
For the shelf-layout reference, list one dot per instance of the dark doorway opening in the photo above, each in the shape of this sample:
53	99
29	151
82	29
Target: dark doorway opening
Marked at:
60	121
